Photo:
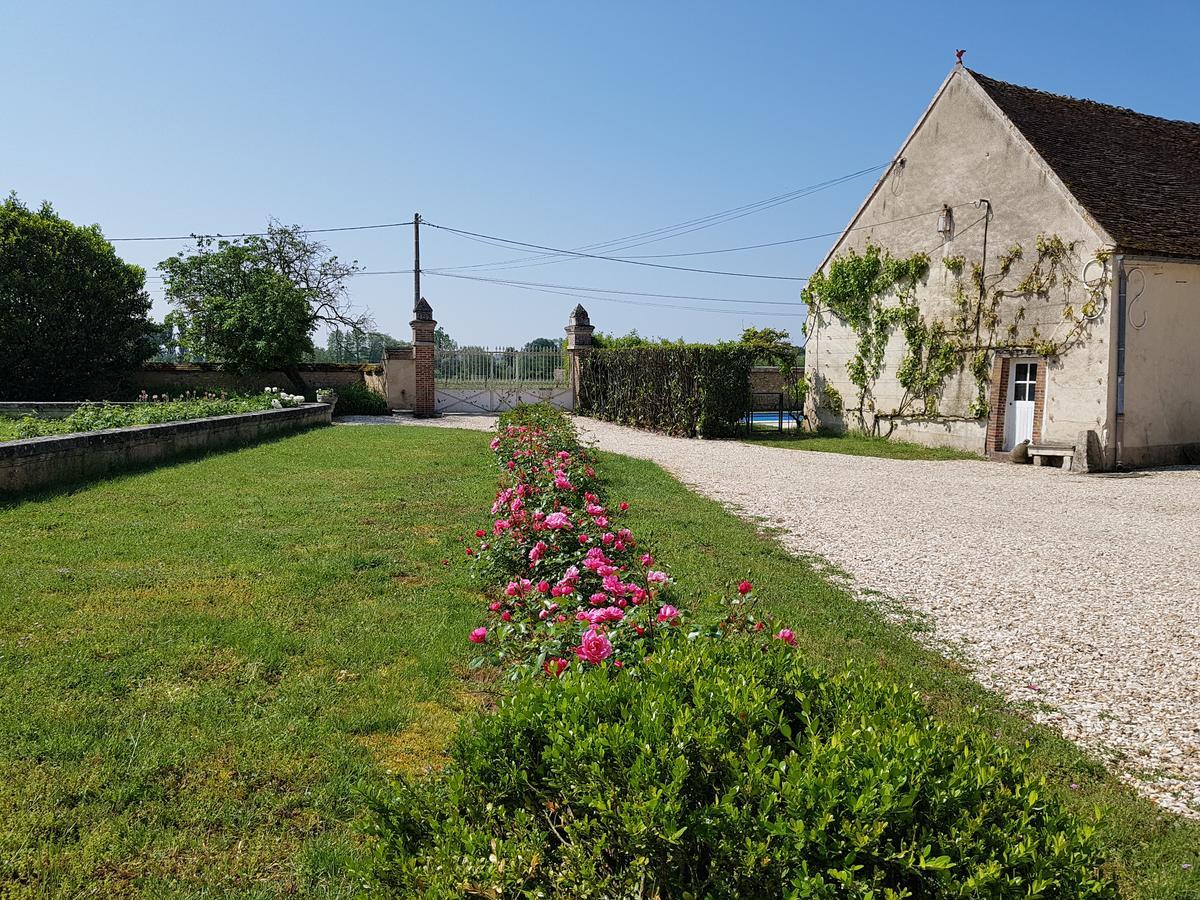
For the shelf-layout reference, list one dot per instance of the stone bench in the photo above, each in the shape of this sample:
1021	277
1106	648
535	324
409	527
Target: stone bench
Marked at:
1052	454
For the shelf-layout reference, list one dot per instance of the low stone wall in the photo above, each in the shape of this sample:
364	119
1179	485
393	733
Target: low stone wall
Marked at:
958	434
62	459
175	378
768	378
156	377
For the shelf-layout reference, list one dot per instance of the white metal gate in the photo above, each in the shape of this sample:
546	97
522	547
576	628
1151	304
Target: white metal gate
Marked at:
480	380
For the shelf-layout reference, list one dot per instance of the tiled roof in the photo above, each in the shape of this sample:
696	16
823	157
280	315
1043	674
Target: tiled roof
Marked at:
1137	175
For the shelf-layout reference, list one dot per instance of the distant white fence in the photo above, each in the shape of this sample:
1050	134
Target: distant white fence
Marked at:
480	380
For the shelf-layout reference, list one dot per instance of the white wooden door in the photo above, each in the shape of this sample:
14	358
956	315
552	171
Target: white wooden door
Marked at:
1022	398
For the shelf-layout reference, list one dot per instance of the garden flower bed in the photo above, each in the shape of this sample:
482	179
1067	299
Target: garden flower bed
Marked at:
99	439
148	411
646	754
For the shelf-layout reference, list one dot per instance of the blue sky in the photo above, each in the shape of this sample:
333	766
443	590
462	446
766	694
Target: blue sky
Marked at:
563	124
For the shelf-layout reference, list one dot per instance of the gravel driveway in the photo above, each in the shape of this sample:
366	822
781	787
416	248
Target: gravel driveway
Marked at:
1079	594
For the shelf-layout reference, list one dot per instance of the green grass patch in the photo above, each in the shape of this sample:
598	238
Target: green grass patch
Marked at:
200	663
855	444
8	429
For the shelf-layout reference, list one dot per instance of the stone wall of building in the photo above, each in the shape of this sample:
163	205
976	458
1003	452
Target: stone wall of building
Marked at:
964	150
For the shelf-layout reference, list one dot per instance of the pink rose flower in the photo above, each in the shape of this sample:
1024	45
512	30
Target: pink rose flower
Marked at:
787	636
594	647
668	614
478	636
558	520
745	587
657	577
555	666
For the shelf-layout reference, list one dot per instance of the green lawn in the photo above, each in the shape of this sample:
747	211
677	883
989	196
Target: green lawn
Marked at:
854	444
199	663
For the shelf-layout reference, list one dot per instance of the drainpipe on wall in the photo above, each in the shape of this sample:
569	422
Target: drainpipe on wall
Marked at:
987	218
1119	385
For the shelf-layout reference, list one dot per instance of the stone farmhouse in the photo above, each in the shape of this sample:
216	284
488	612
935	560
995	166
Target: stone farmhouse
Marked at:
1027	269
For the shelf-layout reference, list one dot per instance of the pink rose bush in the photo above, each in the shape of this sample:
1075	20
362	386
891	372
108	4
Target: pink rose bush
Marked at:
573	587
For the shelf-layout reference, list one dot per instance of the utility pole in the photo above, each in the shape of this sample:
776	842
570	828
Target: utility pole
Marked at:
416	259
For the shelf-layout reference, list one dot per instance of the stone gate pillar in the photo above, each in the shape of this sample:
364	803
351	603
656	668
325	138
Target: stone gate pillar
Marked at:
423	325
579	345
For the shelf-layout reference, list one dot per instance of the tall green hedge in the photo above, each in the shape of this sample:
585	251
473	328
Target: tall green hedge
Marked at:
682	390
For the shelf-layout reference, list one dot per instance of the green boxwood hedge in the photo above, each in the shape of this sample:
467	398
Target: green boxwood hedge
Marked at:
689	390
720	769
356	399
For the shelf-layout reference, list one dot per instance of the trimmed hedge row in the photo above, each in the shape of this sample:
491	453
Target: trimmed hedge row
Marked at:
690	391
715	769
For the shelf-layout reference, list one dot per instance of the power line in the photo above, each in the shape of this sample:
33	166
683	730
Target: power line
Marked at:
630	262
809	237
644	303
570	287
188	237
681	228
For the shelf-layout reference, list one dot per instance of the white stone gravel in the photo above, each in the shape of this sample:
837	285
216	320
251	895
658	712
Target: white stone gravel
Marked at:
1076	595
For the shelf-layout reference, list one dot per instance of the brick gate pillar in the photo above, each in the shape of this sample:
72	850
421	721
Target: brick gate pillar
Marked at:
579	345
423	325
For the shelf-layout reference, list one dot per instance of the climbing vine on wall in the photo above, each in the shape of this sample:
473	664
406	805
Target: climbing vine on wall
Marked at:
853	290
855	287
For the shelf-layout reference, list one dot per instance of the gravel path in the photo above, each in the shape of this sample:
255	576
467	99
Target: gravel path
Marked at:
1076	594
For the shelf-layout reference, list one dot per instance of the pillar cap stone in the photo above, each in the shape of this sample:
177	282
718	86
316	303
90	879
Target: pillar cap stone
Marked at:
579	316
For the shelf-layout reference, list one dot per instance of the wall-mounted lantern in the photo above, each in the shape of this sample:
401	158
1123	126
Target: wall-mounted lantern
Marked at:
945	224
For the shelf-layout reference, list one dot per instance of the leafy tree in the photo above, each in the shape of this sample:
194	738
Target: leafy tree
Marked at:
772	347
631	340
166	345
356	346
72	313
541	344
443	341
255	302
767	342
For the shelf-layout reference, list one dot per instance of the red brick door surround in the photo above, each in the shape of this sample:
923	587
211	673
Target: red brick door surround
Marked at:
998	400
